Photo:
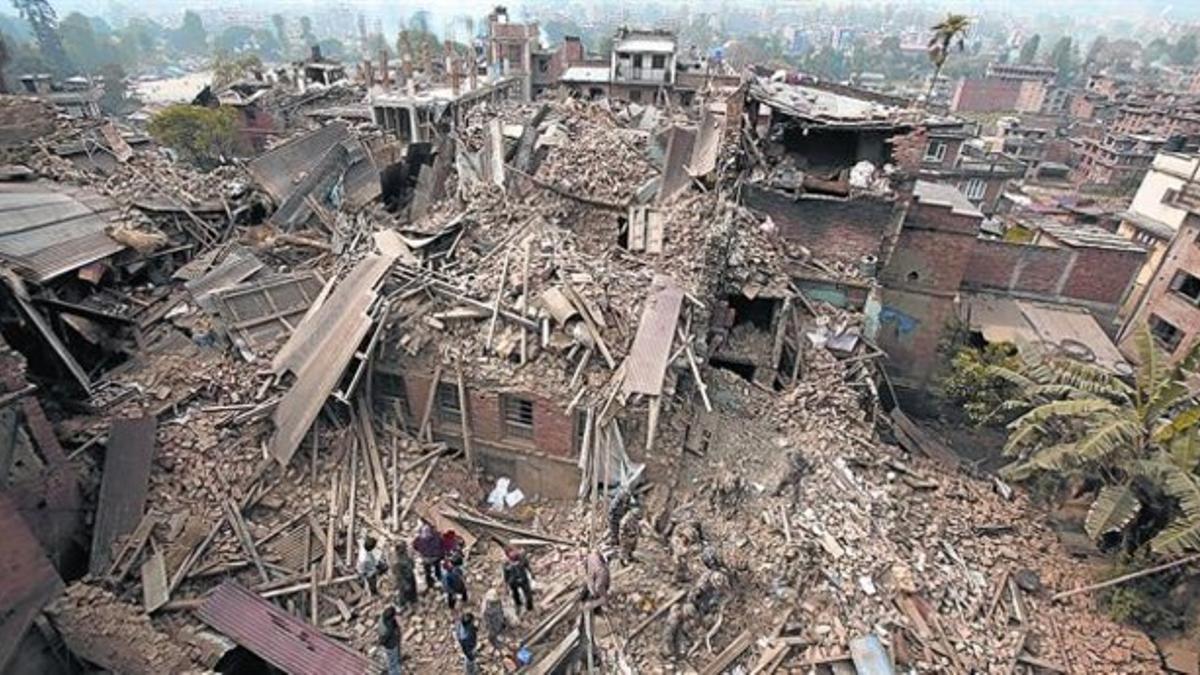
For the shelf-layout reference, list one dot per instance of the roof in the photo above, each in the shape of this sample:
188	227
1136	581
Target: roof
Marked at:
48	229
1087	236
798	100
1058	329
123	488
27	579
1151	226
658	44
281	639
279	168
945	195
585	74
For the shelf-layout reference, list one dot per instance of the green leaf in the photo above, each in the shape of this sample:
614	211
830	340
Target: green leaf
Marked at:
1183	533
1115	507
1184	420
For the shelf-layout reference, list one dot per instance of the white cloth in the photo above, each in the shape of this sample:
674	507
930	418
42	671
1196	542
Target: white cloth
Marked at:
368	561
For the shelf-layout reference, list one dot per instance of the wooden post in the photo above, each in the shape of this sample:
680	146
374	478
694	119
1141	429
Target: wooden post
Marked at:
463	416
424	430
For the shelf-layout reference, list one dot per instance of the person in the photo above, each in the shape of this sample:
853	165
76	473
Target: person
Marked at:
389	639
797	468
596	578
371	563
428	545
453	582
452	547
620	503
494	620
631	528
675	629
468	639
405	577
516	576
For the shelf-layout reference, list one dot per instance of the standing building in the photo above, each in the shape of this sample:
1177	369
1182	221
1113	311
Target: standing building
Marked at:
510	49
642	65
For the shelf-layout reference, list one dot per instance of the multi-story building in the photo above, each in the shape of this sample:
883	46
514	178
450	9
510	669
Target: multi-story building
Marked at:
510	49
1153	219
1170	304
1116	162
642	65
981	176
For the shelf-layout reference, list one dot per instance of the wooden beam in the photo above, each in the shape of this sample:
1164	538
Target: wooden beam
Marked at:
730	654
464	417
423	430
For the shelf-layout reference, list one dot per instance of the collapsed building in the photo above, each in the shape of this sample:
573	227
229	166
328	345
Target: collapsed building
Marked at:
487	318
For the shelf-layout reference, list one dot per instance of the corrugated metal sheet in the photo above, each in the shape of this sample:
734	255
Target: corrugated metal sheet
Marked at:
280	168
27	579
1072	329
647	362
123	487
239	265
279	638
48	229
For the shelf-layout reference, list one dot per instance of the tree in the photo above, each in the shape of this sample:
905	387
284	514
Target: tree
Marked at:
44	23
332	48
971	384
191	38
202	135
227	70
1185	51
1029	50
115	98
1097	52
83	47
306	33
1138	440
1062	57
281	35
950	31
1156	50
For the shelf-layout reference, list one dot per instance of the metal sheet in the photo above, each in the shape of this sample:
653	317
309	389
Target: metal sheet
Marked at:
277	637
679	153
239	265
27	579
47	229
1070	329
123	487
278	169
647	362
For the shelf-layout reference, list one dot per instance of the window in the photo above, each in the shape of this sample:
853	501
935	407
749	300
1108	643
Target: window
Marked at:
391	394
976	188
635	96
1187	285
449	407
518	416
637	61
936	151
658	61
1165	332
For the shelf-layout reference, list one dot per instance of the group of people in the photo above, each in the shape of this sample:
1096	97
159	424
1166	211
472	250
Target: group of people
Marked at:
442	559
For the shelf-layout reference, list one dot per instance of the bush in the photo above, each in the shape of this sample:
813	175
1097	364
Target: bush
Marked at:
969	384
205	136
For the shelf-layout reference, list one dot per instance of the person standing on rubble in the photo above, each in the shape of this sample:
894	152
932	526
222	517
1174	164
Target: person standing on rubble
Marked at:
631	529
404	574
494	620
468	639
675	629
797	468
596	577
453	548
454	583
389	639
618	506
371	563
428	545
516	577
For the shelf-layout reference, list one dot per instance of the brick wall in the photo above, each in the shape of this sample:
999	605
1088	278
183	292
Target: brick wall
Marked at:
1160	300
843	230
1056	273
986	95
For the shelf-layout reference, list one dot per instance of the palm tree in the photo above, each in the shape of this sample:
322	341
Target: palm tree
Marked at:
1140	440
951	31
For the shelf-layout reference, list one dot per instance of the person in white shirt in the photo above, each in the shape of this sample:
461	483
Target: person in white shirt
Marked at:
371	563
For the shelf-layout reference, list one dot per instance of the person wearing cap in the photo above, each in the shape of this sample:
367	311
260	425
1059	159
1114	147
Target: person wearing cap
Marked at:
468	639
516	577
454	583
389	639
452	547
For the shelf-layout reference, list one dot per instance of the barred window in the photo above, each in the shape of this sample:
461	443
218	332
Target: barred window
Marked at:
391	393
518	416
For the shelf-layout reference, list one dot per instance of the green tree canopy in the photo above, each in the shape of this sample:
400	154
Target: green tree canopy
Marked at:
206	136
191	37
1184	52
1029	50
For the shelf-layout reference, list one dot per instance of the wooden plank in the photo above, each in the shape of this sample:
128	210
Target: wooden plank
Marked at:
125	558
646	365
730	654
654	230
464	418
658	613
637	229
556	656
154	583
123	487
423	430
